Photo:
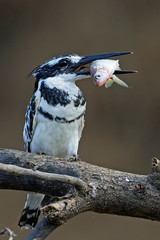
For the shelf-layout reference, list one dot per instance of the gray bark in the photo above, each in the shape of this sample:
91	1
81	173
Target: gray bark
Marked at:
77	186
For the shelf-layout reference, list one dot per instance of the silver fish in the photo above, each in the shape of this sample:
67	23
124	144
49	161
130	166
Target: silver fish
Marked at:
102	72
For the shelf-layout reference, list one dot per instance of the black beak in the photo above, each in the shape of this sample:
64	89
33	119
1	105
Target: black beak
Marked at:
88	59
125	71
91	58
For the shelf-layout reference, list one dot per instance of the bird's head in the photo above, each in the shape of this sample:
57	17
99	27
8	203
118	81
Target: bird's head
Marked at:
69	67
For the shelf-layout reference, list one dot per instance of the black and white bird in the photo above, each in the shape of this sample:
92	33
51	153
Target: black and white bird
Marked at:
54	119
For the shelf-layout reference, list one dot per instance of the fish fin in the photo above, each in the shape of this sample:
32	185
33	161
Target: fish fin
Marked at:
119	81
109	83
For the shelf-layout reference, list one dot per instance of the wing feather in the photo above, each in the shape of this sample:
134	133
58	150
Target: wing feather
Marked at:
30	121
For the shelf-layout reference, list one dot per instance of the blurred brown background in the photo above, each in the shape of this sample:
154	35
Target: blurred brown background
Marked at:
122	125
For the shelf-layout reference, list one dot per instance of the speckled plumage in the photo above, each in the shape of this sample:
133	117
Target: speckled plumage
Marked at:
54	112
54	118
54	121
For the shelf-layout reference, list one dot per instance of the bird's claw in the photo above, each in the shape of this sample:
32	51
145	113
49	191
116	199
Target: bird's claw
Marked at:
73	158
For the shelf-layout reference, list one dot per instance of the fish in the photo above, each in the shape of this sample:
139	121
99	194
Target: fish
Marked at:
102	72
115	79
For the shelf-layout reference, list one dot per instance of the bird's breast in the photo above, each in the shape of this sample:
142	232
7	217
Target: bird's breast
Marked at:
59	120
66	103
57	138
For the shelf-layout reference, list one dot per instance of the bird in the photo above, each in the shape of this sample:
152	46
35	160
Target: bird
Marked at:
54	119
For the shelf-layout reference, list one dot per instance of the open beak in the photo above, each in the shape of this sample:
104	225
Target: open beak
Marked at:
79	68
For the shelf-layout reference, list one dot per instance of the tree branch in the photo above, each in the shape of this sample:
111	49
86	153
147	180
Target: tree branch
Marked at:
41	230
10	233
43	176
77	186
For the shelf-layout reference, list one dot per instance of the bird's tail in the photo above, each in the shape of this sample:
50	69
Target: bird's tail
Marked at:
31	211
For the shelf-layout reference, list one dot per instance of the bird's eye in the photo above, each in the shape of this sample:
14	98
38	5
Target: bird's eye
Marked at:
63	62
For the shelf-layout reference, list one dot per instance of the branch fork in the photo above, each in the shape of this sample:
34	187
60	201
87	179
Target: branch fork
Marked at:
76	187
11	234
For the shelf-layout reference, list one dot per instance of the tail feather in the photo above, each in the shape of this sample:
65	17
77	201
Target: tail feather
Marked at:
31	211
29	218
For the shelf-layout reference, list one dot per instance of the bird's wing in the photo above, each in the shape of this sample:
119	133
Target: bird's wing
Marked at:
30	121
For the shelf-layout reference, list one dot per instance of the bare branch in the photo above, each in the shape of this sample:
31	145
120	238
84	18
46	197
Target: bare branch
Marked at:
41	230
155	165
78	187
56	215
10	233
43	176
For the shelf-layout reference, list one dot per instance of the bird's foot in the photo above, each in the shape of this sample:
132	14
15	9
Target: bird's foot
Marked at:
74	158
41	153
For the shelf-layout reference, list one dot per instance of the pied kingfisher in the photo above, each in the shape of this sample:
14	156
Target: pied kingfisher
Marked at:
54	119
